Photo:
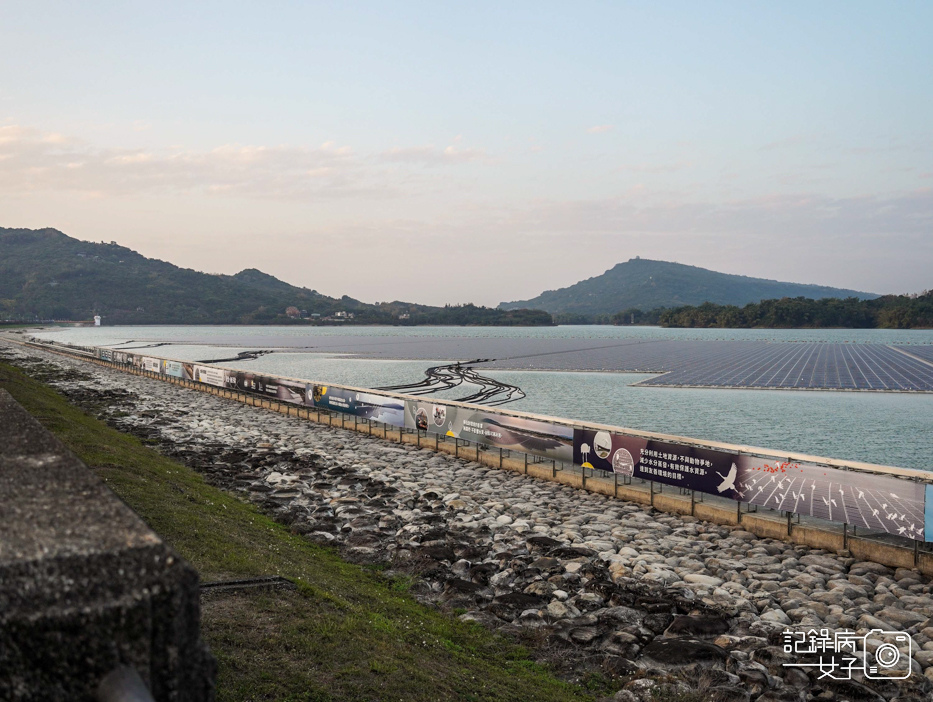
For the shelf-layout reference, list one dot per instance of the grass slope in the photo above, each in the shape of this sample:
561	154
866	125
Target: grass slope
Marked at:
347	633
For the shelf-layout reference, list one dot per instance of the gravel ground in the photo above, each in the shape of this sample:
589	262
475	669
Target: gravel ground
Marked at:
668	603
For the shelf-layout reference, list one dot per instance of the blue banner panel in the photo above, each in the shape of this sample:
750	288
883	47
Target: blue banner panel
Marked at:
379	408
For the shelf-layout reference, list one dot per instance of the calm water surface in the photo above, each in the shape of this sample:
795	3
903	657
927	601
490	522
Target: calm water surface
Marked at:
887	428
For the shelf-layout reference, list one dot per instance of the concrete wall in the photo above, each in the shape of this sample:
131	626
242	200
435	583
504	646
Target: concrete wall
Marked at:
764	524
85	585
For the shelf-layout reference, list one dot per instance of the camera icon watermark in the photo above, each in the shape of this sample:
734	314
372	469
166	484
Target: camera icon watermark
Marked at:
878	655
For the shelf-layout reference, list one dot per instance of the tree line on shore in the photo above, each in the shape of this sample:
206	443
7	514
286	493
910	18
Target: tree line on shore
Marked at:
886	312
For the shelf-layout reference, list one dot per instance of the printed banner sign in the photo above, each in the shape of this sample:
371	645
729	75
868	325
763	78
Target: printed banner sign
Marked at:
380	408
106	354
531	436
689	467
874	502
175	369
210	375
283	390
153	365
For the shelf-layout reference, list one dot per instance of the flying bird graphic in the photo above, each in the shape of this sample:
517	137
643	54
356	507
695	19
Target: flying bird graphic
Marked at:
728	480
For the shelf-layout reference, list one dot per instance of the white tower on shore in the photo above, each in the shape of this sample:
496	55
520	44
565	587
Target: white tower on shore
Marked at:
96	320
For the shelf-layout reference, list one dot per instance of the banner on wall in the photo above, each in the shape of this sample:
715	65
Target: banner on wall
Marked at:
689	467
210	375
379	408
554	441
270	386
874	502
153	365
106	354
176	369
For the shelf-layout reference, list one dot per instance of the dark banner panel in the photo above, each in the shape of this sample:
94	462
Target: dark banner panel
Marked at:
379	408
531	436
874	502
270	386
689	467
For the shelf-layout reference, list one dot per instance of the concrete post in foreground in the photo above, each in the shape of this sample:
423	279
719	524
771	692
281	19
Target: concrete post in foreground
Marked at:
85	586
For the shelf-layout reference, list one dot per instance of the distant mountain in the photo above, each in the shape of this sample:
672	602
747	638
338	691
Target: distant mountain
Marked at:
646	285
45	274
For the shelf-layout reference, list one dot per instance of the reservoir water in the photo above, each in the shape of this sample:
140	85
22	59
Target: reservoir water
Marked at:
564	377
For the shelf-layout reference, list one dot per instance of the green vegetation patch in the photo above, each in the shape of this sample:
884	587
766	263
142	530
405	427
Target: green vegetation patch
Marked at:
345	633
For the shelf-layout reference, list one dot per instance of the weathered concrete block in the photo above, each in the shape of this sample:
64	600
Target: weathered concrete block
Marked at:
85	585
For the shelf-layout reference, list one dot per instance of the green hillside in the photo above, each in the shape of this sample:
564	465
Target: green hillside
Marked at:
46	275
646	285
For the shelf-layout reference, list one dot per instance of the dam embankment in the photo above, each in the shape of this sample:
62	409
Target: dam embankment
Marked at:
591	576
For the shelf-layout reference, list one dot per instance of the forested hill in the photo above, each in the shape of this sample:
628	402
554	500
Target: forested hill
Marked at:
45	275
646	285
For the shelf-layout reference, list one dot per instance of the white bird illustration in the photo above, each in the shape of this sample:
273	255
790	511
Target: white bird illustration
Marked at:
827	502
884	506
728	480
874	512
861	495
901	530
893	496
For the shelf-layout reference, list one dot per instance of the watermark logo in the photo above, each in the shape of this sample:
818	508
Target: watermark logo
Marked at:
879	654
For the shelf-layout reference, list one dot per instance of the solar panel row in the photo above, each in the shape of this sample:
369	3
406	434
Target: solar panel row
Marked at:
808	366
687	362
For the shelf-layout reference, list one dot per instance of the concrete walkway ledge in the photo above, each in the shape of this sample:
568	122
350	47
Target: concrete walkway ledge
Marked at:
85	585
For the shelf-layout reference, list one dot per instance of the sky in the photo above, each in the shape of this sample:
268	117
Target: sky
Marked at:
477	152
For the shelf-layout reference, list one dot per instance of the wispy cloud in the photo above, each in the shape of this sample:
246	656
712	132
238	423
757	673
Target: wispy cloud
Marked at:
783	143
655	167
432	155
601	129
31	160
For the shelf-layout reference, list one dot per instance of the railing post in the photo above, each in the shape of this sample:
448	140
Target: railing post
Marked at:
693	502
615	484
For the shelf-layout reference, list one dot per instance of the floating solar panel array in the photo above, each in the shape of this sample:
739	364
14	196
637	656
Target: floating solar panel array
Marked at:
924	352
684	362
807	366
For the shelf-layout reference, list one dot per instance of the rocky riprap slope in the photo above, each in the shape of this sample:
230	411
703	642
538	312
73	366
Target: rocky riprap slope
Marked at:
670	605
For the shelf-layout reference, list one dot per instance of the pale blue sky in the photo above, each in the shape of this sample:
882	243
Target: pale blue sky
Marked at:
449	153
